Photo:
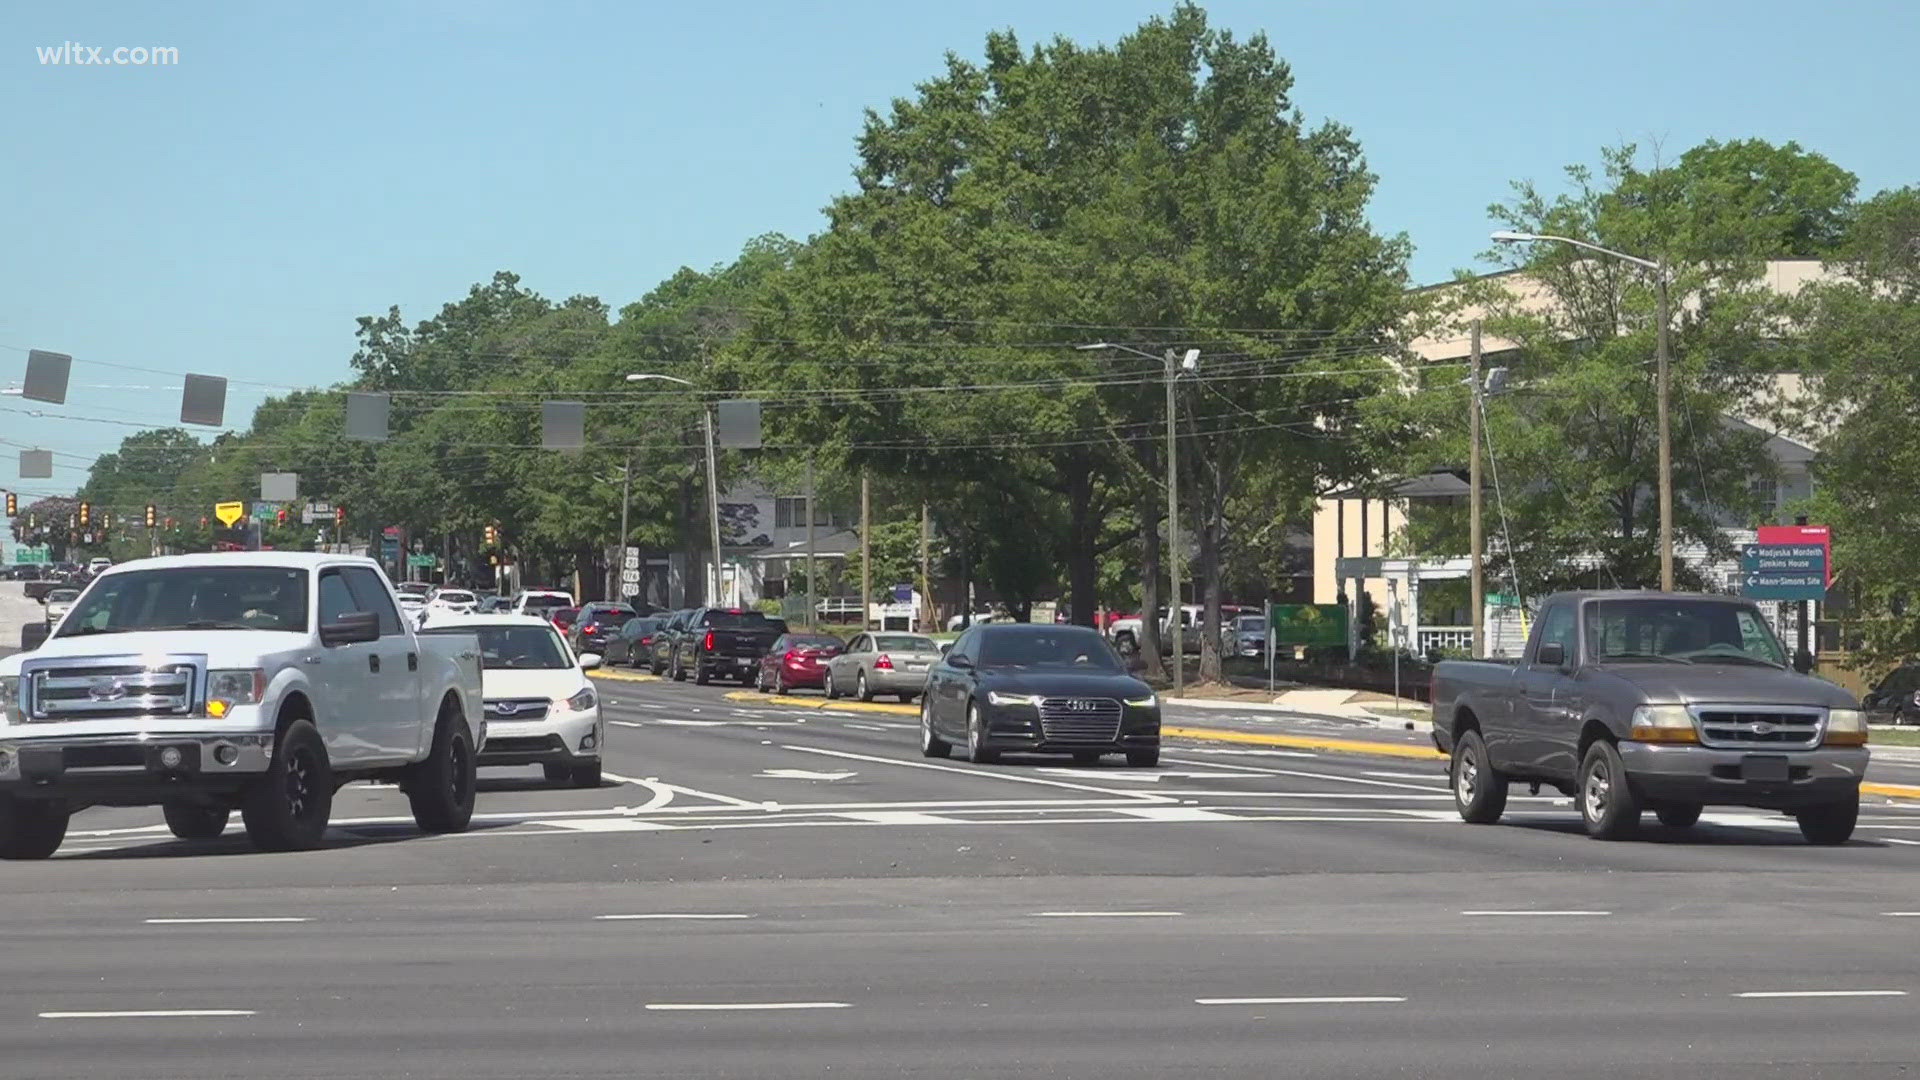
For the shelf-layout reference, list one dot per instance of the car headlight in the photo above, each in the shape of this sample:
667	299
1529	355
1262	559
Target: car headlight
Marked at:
581	701
10	699
1148	702
233	687
995	697
1846	727
1663	723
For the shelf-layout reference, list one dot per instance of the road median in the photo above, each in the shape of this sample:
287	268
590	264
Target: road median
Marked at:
790	701
622	676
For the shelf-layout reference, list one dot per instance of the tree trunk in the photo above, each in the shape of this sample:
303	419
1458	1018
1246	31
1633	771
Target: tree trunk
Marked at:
1083	567
1209	583
1150	572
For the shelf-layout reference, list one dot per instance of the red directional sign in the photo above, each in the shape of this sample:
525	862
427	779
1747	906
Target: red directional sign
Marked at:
1801	534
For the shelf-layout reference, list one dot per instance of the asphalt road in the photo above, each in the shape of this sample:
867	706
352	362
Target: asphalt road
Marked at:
760	891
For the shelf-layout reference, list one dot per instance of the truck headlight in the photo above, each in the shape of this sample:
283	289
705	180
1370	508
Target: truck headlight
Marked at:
1846	727
1664	724
233	687
995	697
10	699
581	701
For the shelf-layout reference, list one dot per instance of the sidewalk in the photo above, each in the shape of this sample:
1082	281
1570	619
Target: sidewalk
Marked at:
1352	705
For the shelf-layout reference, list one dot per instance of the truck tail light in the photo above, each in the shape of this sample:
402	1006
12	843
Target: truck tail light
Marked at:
885	663
709	645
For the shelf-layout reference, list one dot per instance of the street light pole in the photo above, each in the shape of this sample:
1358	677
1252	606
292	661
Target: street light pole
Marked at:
1664	314
1477	538
626	500
1174	365
713	480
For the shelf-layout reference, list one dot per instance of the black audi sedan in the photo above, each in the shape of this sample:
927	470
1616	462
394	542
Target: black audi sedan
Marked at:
1036	689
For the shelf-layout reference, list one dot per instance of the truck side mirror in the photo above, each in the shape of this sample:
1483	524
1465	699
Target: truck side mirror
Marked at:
1551	654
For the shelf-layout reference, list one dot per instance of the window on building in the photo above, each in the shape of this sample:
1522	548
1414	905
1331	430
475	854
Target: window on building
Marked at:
1765	491
791	513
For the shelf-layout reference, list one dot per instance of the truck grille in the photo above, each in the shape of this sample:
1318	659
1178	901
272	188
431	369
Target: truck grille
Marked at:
1080	720
109	691
1772	728
516	710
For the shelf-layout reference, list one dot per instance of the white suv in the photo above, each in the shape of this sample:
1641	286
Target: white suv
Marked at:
539	705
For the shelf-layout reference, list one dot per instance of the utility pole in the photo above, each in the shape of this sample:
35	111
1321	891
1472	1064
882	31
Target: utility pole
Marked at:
1666	439
810	590
866	547
620	547
1476	534
1174	607
926	565
713	506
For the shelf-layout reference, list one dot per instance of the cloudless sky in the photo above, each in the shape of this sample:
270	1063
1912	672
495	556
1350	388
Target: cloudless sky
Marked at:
304	165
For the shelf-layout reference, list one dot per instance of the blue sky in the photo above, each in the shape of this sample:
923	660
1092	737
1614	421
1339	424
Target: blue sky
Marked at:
303	165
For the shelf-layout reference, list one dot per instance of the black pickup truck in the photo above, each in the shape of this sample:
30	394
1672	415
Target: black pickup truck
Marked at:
724	642
1632	701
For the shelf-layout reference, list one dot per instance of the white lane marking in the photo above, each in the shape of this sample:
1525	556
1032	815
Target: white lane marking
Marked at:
900	817
1544	913
604	825
1139	796
1300	1001
743	1006
1894	839
146	1014
1144	777
658	794
627	723
1328	776
1821	993
1901	914
1376	795
1172	813
1224	751
227	921
669	915
1434	777
805	774
1108	914
867	727
836	712
728	799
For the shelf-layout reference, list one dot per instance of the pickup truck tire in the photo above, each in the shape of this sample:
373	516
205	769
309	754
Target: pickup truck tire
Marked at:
190	822
700	676
1831	824
1608	805
678	673
1675	815
287	809
931	745
654	667
441	788
1479	793
31	828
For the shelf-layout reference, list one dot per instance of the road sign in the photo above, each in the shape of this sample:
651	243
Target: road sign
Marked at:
34	556
903	594
229	513
1308	624
630	560
1346	569
421	562
1784	572
630	578
265	511
1801	534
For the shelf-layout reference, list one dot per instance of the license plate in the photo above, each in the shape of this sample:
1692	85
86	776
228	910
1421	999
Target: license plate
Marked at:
1769	770
916	667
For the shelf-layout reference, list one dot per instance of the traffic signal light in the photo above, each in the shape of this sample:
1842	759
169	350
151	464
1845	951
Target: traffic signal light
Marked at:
493	560
493	535
13	504
153	516
339	515
106	520
282	516
86	513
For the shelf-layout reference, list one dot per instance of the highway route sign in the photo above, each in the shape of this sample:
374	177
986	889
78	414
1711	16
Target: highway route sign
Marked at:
230	513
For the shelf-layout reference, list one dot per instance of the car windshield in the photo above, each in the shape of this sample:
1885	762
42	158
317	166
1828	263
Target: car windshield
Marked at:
634	628
904	643
450	596
606	617
545	603
515	648
1251	622
1697	631
58	596
751	619
1068	647
814	641
193	598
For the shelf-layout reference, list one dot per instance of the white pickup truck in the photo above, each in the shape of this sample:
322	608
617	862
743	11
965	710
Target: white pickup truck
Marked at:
259	681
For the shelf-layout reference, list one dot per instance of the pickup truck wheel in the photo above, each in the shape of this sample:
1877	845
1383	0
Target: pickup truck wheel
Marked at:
1831	824
31	828
1608	805
1677	815
190	822
287	809
931	745
679	673
1479	793
700	675
442	786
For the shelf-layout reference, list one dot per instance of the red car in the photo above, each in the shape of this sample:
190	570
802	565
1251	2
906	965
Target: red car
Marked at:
797	660
563	618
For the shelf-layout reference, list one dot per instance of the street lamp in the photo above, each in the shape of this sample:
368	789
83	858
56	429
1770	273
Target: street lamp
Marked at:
1661	281
713	482
1174	365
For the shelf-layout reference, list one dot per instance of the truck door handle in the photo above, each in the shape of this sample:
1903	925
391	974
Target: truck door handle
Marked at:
373	664
413	661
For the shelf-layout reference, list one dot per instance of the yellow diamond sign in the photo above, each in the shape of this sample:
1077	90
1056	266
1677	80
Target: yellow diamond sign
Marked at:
228	513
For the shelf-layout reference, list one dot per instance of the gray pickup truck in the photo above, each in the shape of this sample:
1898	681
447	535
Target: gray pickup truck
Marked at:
1635	701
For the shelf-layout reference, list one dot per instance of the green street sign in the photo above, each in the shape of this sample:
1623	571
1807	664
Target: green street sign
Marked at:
422	562
32	556
1308	624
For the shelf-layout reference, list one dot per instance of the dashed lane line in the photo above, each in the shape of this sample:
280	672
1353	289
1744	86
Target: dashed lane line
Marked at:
1300	1001
1523	913
742	1006
1774	994
148	1014
671	915
225	922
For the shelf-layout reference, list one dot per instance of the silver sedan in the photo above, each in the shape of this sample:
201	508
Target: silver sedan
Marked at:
882	664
